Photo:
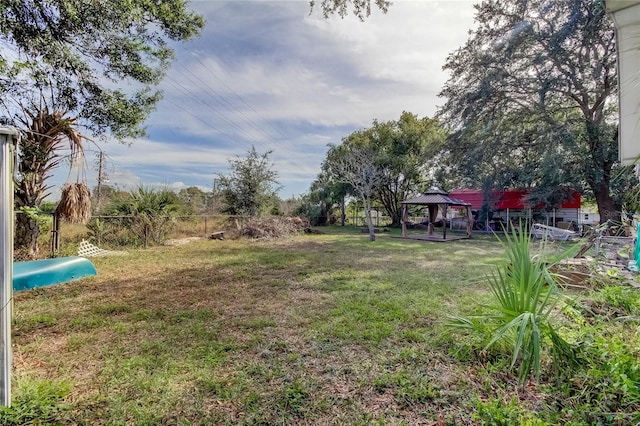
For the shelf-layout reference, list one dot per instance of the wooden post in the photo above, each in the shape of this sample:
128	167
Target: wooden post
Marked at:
444	222
55	235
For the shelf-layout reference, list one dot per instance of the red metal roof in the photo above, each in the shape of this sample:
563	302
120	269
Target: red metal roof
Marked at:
509	199
471	196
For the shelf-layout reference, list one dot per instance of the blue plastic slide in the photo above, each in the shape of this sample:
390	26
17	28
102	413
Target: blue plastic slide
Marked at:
40	273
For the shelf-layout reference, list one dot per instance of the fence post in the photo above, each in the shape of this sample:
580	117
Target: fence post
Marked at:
55	235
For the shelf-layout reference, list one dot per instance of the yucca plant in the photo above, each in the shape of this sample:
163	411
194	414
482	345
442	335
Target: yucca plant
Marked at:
524	295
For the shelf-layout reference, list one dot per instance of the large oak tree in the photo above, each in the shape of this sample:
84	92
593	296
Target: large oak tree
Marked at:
532	96
405	150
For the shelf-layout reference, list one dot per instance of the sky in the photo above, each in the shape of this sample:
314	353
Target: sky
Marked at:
270	74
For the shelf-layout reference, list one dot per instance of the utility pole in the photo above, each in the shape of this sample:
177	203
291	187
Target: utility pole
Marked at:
102	177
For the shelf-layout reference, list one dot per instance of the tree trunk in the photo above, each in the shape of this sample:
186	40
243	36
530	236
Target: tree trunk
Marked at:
343	212
599	178
606	205
27	233
396	219
367	213
392	207
323	218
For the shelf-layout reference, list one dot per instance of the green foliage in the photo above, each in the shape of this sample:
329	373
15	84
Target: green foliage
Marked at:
29	211
529	98
250	189
404	149
400	151
625	298
150	214
295	396
325	192
48	207
409	389
195	200
498	413
612	372
112	232
37	403
524	295
97	230
361	8
80	64
44	222
68	48
604	387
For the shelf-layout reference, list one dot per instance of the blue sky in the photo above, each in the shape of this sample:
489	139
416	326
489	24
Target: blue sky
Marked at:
269	74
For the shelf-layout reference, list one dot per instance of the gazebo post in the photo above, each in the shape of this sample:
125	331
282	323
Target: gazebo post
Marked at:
444	221
433	214
433	201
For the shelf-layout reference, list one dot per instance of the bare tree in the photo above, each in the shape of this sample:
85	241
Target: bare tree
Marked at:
355	165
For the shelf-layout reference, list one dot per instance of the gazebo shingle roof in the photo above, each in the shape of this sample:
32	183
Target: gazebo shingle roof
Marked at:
435	196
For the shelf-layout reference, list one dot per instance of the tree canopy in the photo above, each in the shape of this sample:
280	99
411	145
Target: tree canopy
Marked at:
73	69
96	62
360	8
532	98
403	153
251	186
324	193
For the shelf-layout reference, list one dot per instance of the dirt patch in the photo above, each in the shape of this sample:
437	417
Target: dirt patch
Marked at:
181	241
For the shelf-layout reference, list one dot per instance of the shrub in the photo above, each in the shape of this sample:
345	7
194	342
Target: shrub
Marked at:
150	213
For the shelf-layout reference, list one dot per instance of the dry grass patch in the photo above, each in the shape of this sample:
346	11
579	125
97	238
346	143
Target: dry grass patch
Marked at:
316	329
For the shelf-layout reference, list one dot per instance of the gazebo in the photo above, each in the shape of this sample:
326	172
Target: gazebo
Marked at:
435	200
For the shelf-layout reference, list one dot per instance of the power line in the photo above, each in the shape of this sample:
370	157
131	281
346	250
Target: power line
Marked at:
223	101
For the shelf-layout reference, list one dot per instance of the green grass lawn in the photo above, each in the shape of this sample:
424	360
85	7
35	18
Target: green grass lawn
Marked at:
317	329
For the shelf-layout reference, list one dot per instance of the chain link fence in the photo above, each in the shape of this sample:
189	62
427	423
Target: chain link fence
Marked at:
116	232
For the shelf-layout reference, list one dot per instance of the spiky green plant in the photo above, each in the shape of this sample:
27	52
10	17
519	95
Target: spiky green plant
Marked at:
524	295
151	213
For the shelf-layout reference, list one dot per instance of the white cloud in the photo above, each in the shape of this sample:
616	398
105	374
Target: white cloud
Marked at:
268	74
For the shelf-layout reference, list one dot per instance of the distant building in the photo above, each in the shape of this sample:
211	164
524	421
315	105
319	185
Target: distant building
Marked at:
511	206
